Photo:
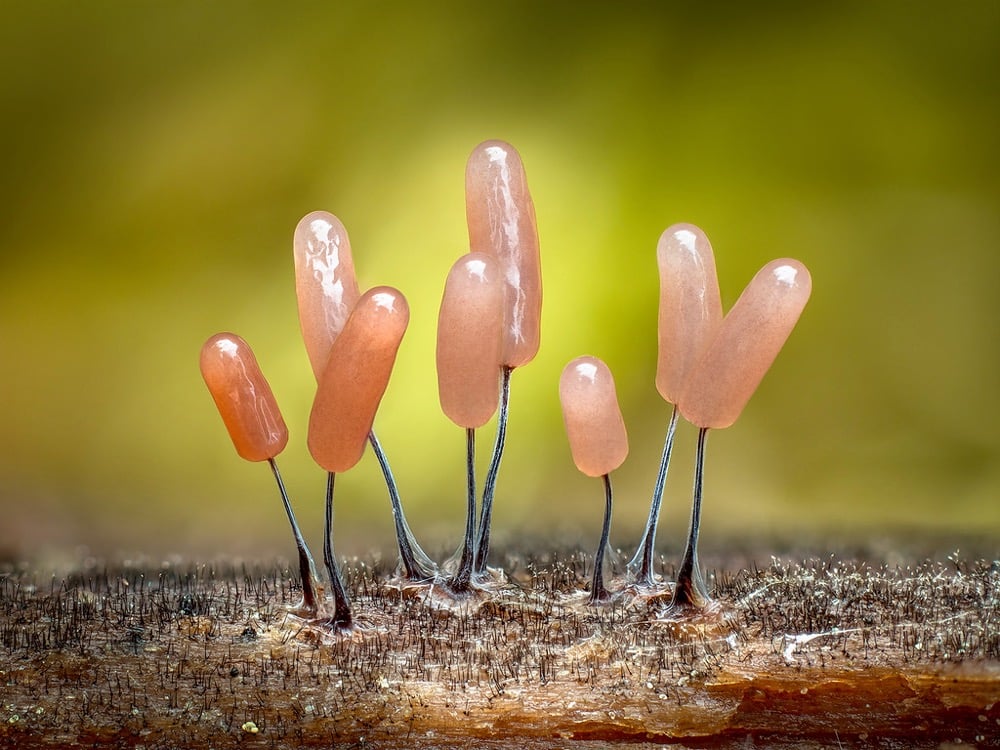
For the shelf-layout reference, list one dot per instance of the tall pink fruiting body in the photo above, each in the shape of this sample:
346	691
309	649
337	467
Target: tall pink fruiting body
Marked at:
468	340
355	378
325	284
747	342
243	397
690	305
690	314
593	419
501	218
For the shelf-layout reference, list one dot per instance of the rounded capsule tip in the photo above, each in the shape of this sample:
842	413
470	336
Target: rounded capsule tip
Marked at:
747	343
593	419
244	398
468	340
325	285
690	309
501	219
355	378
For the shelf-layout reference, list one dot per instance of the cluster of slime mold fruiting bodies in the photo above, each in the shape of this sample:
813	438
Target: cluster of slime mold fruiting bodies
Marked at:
489	324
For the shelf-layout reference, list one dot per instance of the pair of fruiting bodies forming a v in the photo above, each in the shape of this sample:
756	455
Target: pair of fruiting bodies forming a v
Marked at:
488	325
709	365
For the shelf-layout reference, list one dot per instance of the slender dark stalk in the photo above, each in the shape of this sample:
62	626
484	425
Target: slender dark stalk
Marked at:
598	592
342	617
307	568
641	564
417	566
489	486
690	589
461	580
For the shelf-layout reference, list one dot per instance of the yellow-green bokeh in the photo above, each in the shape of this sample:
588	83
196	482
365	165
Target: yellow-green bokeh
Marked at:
156	157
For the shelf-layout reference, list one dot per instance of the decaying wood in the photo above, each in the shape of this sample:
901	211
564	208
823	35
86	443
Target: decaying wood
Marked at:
814	654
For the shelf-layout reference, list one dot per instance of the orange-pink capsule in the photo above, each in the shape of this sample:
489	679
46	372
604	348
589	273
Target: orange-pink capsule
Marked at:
325	285
690	304
243	397
355	377
594	424
501	219
468	340
747	342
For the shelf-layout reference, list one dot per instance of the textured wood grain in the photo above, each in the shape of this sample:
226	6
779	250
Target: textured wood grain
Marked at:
818	654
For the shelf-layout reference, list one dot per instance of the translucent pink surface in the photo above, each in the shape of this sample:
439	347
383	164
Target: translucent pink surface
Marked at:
355	377
501	221
747	342
690	305
468	340
324	283
243	397
594	425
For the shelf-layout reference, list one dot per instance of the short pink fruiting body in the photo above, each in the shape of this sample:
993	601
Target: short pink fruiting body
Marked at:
747	342
501	219
594	424
243	397
355	377
325	285
690	304
468	340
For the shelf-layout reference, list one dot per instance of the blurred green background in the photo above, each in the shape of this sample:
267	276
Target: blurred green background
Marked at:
156	157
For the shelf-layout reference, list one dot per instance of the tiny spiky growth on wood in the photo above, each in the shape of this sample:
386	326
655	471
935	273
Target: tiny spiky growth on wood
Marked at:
818	653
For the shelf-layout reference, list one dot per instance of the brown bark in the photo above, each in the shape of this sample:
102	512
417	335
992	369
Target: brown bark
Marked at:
816	654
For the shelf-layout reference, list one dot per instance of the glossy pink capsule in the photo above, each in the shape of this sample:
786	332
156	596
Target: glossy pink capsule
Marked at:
468	340
243	397
501	219
355	377
594	424
690	304
325	285
747	342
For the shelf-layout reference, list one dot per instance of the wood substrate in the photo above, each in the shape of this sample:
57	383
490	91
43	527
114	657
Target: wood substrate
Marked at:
813	654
